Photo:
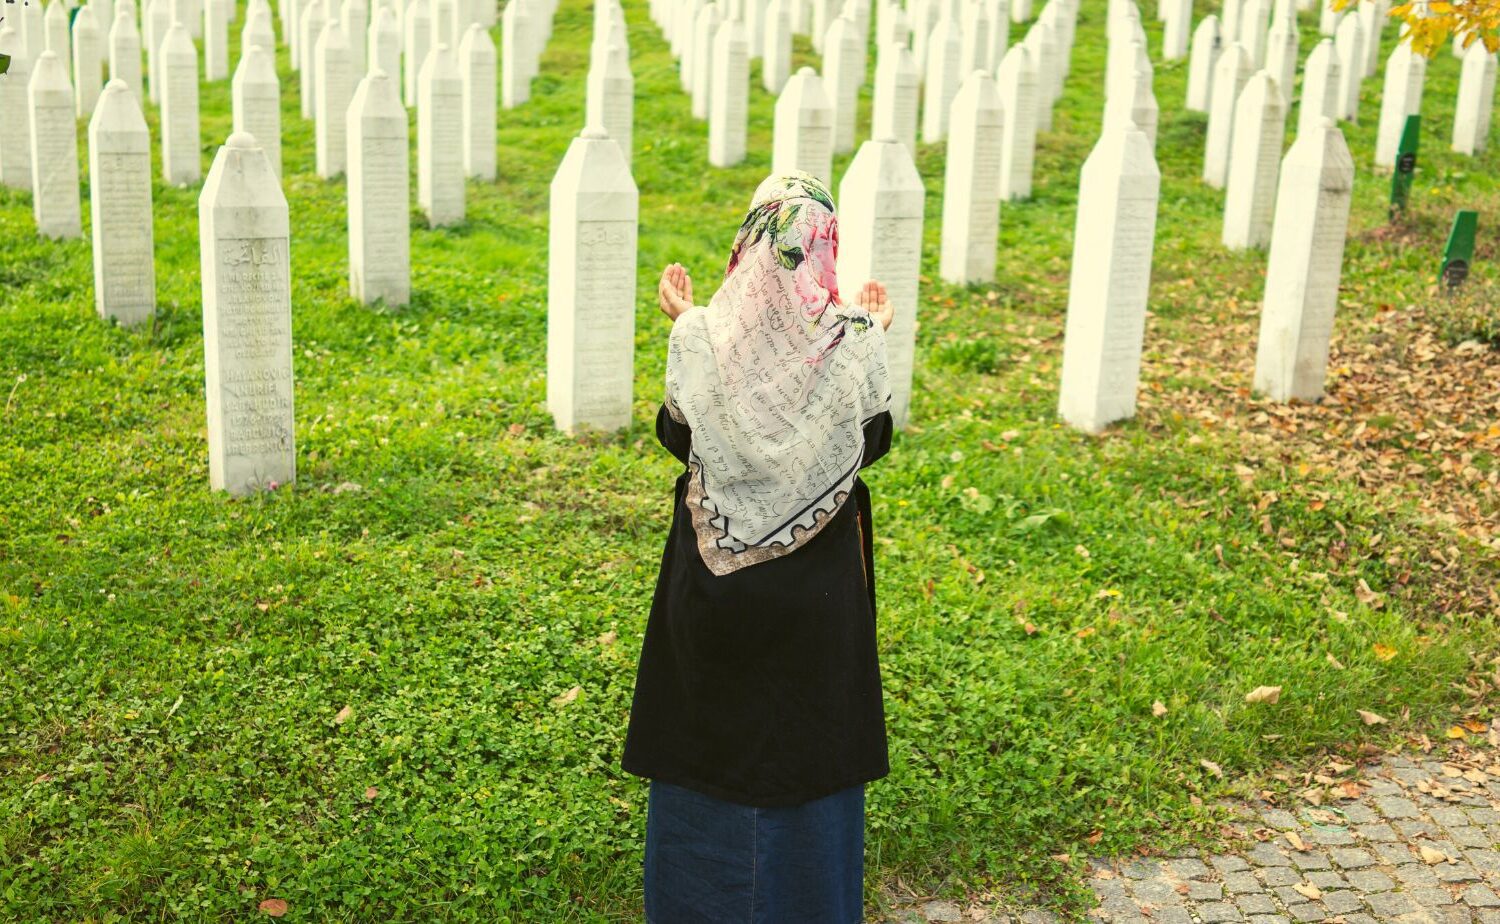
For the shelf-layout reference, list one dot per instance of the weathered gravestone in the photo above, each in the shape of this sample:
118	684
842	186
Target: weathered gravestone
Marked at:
1349	43
729	102
841	79
1320	88
255	101
897	89
335	85
86	58
611	96
379	190
1405	74
125	53
1230	74
942	78
881	204
803	127
54	150
1118	192
15	109
515	49
1476	101
180	157
1205	54
244	236
776	64
1302	272
416	43
384	39
971	183
591	255
120	207
440	159
1459	252
476	56
1017	85
1255	159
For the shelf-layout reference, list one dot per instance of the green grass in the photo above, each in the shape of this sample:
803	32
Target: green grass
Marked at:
172	661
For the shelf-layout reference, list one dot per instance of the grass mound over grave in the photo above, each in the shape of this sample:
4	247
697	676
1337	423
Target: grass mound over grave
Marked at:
397	691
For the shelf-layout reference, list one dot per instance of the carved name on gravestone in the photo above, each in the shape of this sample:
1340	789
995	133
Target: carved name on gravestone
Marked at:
120	207
244	234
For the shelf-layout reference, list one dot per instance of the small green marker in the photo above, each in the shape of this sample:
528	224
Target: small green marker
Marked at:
1406	164
1460	250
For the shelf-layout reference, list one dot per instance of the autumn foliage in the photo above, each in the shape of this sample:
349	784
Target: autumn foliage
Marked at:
1429	24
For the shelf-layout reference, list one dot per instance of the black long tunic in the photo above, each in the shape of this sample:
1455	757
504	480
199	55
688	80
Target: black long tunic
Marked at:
762	686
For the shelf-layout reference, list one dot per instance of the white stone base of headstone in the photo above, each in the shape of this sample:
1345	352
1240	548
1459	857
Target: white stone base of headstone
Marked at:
1476	101
379	192
803	134
1255	158
971	183
120	207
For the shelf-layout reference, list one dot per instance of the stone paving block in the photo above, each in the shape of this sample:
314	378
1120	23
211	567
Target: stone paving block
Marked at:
1377	832
1189	869
1389	904
1307	911
1410	775
1456	872
1489	917
1454	914
1381	788
1359	919
1256	904
1449	816
1370	880
1279	876
1205	891
1332	837
1280	819
1156	891
1289	896
1230	864
1310	859
1037	916
942	911
1141	869
1342	902
1485	860
1430	897
1219	913
1172	916
1268	919
1267	855
1416	876
1352	858
1395	854
1470	836
1411	828
1240	883
1358	813
1397	807
1328	880
1484	816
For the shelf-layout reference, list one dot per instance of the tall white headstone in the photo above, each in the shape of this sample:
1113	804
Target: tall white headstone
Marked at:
1205	54
244	236
55	34
881	204
354	16
1405	74
942	78
515	51
1476	101
729	105
803	127
215	40
591	256
440	163
255	102
416	42
180	159
379	193
384	43
1177	32
897	90
158	19
1281	56
1041	42
476	56
1255	158
1230	74
1017	85
1306	260
54	150
1349	43
999	16
1253	30
120	207
971	183
699	62
1371	18
1111	278
334	87
15	112
310	29
258	31
841	79
1321	84
86	61
1134	102
125	53
974	38
776	53
611	96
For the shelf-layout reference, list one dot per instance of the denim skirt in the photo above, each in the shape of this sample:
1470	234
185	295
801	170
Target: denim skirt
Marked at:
714	862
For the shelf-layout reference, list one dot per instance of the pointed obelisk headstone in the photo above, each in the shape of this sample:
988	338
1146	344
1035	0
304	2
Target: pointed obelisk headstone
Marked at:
611	96
1476	101
244	235
1017	85
125	53
180	156
86	62
55	34
1349	43
335	86
416	42
215	40
971	183
803	127
841	79
1118	194
897	90
1133	101
1306	260
881	205
591	257
384	40
1281	57
515	50
974	37
379	193
1255	159
310	30
54	150
1201	62
476	56
729	103
120	207
15	112
440	163
1405	73
255	102
942	79
1230	74
776	53
1320	88
258	31
354	16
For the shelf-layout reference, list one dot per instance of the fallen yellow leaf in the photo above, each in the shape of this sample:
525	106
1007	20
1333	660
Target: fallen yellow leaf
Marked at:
1431	855
1457	732
1267	695
1213	768
274	907
1308	889
1158	709
1384	652
1295	839
563	699
1370	718
343	715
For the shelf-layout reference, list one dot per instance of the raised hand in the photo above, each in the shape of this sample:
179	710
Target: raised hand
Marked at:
873	299
675	291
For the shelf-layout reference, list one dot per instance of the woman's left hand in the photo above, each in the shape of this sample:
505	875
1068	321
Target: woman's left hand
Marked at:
873	299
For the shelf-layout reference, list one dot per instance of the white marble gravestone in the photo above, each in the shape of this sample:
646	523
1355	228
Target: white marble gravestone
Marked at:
803	127
291	26
1041	42
729	103
86	61
1016	83
1177	33
591	256
881	204
120	207
1349	43
610	95
942	78
755	27
15	112
1205	54
1321	84
384	41
776	53
700	62
1020	11
971	182
334	86
841	79
416	42
354	16
244	236
55	34
1134	102
1281	56
255	103
1371	18
215	41
379	193
515	50
476	55
1405	74
54	149
440	157
125	53
157	20
1306	260
1255	158
897	90
999	16
974	38
1111	277
258	31
823	12
1476	101
1253	30
1230	74
310	29
1328	18
181	164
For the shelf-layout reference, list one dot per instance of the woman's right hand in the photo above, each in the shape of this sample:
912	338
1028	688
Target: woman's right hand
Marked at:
675	291
873	299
